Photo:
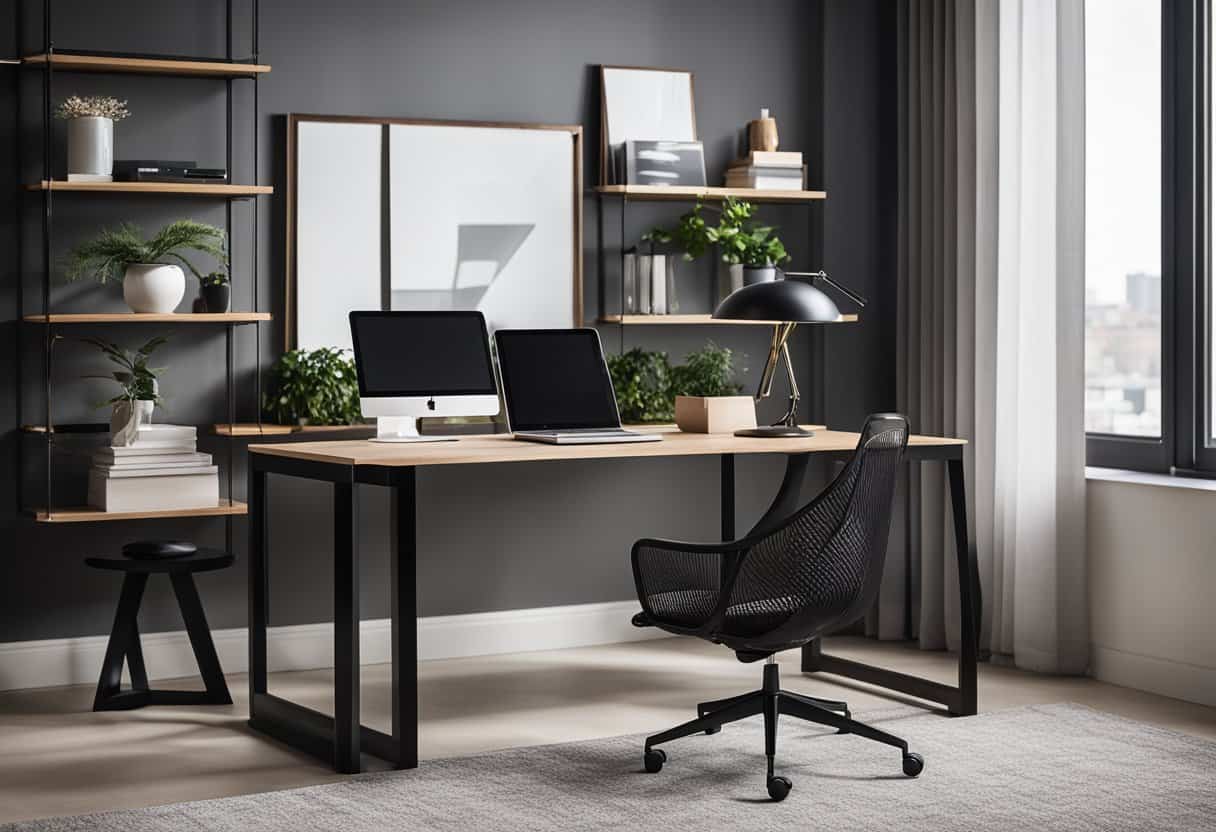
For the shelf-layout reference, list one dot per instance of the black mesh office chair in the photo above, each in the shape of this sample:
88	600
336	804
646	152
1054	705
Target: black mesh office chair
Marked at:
780	587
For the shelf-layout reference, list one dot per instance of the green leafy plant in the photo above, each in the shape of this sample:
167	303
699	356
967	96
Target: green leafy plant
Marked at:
647	385
314	386
642	381
107	256
137	381
214	279
707	372
739	238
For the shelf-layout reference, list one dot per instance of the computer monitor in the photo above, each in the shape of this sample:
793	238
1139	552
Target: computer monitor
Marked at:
414	364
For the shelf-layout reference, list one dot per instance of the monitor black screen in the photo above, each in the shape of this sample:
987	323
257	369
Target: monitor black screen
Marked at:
555	379
422	354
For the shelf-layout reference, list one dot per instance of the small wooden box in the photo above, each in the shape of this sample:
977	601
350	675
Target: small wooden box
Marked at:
715	414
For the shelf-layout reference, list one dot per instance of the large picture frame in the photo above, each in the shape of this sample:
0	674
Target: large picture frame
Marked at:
395	213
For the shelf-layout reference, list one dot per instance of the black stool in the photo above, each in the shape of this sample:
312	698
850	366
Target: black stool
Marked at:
124	639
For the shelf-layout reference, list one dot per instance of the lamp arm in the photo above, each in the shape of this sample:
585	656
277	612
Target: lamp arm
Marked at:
822	275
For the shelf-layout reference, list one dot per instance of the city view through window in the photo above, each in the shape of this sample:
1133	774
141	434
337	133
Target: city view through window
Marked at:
1123	217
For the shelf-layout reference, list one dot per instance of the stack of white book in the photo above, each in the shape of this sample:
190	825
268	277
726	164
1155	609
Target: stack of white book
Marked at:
768	170
161	470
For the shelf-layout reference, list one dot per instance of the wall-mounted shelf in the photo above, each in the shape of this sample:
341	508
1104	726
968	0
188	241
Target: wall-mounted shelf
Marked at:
664	193
697	320
180	188
62	62
86	514
251	429
148	318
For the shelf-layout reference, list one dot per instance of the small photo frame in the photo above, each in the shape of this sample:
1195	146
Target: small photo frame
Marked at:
664	163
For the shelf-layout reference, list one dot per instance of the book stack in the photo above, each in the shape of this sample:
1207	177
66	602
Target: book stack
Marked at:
768	170
161	470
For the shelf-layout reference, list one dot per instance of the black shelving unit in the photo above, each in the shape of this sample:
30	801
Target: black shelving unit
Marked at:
50	63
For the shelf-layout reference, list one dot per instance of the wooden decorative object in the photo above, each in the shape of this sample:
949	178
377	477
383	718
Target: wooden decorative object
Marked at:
762	132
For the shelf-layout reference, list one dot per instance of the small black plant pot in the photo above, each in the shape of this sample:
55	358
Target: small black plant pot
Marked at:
216	298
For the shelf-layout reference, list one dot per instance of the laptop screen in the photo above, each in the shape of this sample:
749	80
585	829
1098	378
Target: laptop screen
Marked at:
555	379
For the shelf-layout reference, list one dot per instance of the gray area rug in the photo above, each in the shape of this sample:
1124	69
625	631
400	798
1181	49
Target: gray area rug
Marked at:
1042	768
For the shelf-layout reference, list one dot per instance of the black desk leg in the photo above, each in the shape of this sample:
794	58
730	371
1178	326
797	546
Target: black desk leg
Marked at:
728	497
968	586
346	628
405	618
961	700
258	595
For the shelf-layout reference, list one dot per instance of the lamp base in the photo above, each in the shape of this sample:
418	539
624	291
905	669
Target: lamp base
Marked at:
777	432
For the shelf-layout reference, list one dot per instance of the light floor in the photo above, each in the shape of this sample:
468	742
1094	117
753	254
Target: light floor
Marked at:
59	758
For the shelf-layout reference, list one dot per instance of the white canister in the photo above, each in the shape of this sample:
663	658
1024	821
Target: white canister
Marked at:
91	146
153	287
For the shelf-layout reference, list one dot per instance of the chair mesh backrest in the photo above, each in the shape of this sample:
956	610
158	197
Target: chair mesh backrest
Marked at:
824	563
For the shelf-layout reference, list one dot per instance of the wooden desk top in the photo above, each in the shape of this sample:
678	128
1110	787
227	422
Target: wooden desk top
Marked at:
502	448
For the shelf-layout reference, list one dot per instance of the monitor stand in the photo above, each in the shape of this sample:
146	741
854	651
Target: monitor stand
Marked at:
403	429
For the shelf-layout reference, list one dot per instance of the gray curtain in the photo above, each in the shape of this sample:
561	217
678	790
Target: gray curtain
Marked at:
991	321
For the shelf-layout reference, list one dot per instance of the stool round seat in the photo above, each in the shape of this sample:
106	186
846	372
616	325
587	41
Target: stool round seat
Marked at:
157	549
202	560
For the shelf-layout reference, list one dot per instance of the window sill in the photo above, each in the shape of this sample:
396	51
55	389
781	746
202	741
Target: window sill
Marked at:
1094	474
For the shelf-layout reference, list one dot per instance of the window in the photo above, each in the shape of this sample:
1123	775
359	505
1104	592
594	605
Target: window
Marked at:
1123	188
1150	363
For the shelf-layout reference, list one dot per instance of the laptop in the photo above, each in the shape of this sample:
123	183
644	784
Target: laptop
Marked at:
557	389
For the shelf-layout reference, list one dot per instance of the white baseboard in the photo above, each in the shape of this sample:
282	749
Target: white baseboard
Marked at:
1191	682
77	661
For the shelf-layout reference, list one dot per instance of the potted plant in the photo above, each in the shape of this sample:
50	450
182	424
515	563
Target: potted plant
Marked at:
139	391
642	382
150	283
752	251
313	387
91	135
707	398
215	291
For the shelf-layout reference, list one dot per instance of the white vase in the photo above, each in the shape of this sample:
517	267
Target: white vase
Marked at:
153	287
91	146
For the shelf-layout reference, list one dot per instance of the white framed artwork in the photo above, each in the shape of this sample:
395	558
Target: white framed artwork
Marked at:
407	214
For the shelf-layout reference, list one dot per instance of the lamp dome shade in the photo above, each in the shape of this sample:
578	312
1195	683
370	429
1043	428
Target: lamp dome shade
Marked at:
790	301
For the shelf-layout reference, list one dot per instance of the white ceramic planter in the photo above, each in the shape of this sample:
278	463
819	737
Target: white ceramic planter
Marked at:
153	287
91	146
125	419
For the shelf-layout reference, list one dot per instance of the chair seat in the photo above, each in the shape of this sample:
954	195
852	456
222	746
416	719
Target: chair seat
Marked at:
202	560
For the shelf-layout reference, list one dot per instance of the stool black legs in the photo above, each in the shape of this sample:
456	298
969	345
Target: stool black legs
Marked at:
124	646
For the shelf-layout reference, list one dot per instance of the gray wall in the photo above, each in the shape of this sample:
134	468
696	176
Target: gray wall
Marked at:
485	542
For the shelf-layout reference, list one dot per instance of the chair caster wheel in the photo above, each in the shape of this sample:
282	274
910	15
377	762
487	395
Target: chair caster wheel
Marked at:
654	759
778	788
709	731
914	764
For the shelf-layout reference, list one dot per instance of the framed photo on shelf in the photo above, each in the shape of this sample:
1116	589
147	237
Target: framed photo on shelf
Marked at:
642	104
664	163
416	214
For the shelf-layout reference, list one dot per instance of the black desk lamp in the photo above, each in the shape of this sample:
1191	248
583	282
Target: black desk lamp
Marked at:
786	303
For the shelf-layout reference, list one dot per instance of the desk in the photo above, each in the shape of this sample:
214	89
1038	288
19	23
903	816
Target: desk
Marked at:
346	464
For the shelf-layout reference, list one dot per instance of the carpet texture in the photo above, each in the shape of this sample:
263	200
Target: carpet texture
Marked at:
1047	767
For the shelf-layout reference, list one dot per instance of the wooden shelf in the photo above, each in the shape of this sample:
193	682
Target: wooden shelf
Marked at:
661	193
88	514
252	429
181	188
698	320
149	318
61	62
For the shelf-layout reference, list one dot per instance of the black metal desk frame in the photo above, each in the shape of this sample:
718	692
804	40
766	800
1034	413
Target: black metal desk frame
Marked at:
342	737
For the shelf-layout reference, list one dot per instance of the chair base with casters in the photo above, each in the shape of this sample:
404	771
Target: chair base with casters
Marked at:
772	702
801	572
